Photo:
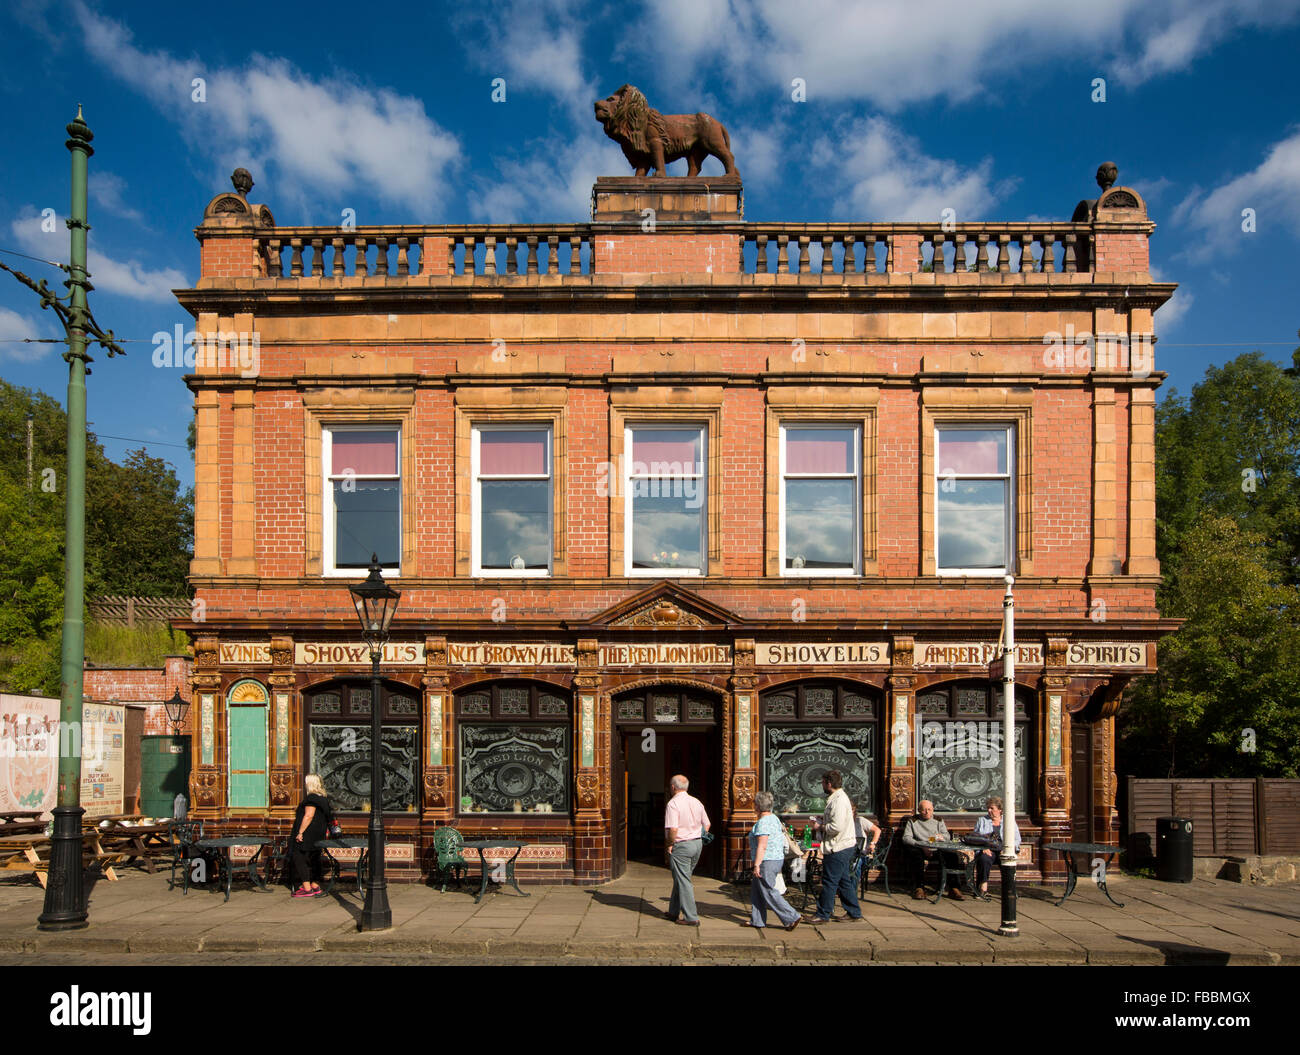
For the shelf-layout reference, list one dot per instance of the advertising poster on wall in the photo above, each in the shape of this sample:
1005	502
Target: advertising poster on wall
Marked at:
103	735
29	753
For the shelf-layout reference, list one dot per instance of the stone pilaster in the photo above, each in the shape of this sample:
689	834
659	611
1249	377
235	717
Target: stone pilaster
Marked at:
207	787
1053	806
900	758
593	753
288	755
437	730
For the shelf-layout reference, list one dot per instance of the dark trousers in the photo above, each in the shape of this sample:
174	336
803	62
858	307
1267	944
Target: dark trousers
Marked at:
985	862
837	878
917	859
304	864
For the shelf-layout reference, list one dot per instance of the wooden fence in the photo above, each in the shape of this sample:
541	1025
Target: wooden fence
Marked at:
127	611
1230	817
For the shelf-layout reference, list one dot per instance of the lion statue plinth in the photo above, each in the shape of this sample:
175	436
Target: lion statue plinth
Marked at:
650	139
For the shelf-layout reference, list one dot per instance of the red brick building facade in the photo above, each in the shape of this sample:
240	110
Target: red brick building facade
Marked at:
671	491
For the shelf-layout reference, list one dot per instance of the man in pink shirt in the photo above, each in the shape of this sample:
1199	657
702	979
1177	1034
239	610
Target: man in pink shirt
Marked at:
684	825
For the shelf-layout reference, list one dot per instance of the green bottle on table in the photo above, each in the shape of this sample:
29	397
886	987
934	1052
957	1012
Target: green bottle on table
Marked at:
807	836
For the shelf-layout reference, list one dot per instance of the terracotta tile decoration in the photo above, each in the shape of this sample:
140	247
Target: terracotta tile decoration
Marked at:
702	320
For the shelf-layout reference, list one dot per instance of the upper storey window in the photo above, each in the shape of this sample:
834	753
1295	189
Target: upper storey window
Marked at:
974	499
821	485
513	513
666	494
362	499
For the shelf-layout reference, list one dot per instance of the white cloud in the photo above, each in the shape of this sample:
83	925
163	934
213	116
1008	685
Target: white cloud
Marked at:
552	185
535	45
1177	33
328	135
893	53
108	191
127	278
1271	190
14	329
1174	310
886	175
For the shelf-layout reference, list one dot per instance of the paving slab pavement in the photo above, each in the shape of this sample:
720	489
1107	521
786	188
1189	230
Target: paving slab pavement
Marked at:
1207	921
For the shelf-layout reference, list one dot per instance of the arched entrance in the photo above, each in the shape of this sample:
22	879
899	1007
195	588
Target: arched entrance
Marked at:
661	730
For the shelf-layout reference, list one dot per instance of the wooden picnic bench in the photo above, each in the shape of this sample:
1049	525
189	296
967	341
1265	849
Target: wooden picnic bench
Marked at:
21	822
31	853
146	843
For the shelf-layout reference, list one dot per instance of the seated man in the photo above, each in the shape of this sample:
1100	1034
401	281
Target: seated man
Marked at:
919	836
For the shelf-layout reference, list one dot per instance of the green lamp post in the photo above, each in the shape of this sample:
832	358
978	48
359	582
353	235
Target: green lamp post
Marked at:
65	893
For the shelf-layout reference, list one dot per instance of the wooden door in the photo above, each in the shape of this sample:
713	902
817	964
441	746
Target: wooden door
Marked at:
696	755
618	804
1081	781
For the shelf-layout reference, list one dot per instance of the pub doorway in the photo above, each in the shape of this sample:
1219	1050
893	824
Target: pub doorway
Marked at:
660	732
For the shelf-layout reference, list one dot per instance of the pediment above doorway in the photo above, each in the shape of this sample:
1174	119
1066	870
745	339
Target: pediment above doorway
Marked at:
664	606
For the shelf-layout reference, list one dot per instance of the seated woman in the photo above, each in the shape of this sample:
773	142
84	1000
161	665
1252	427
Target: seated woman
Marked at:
990	827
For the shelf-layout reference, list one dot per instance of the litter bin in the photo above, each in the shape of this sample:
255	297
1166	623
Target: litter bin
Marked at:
1174	849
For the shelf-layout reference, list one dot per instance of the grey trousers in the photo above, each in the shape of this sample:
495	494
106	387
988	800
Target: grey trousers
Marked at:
763	895
681	862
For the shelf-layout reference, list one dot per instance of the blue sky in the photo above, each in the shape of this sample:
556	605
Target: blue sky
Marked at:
986	108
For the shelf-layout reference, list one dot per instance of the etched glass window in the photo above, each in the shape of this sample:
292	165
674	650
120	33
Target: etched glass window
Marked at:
514	768
796	756
338	747
341	755
960	755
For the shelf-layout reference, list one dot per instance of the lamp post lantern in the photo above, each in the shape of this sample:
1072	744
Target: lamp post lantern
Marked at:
176	708
376	603
1007	862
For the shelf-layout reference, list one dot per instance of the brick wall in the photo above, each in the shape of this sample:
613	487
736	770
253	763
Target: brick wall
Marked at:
640	254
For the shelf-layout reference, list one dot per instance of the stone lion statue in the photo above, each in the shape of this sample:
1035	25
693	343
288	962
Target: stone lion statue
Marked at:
650	139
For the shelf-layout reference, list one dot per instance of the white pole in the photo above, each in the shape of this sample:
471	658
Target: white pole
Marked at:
1007	863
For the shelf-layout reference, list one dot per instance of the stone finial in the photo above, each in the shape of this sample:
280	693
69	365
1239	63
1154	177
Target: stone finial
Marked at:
227	210
1107	174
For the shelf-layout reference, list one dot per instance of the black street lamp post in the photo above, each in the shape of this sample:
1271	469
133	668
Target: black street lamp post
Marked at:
376	603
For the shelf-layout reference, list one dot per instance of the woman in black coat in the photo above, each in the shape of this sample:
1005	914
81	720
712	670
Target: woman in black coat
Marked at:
310	825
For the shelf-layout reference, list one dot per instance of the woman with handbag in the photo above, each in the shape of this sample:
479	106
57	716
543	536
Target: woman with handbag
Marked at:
311	824
989	827
767	851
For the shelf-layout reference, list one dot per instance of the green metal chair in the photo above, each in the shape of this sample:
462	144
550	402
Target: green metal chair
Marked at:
447	844
879	860
182	836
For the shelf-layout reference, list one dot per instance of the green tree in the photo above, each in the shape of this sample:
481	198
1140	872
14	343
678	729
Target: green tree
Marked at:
1226	699
1233	448
139	527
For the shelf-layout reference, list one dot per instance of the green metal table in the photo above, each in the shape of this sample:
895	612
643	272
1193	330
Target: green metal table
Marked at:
1069	850
496	844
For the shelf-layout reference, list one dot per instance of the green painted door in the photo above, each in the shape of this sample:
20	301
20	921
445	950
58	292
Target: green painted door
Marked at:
248	779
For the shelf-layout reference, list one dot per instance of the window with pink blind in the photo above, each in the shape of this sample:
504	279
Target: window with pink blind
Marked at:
363	501
513	517
974	500
665	490
364	453
820	505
